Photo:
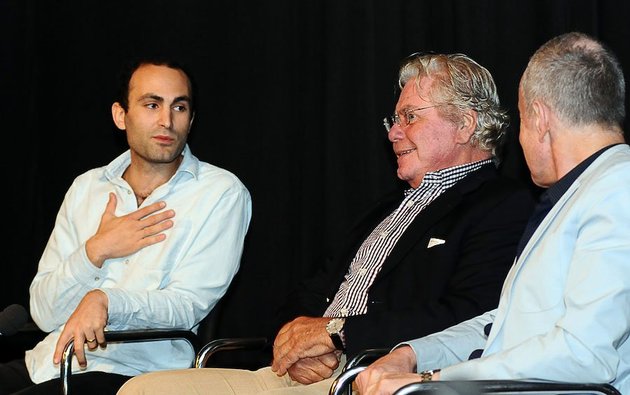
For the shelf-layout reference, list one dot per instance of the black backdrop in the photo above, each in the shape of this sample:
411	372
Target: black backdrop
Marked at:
291	98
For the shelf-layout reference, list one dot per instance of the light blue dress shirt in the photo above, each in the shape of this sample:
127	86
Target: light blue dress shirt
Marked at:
171	284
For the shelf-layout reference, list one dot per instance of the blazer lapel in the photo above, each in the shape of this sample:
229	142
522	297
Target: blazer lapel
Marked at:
542	228
521	260
435	211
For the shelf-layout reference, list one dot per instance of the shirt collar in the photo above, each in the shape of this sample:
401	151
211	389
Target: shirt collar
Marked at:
447	177
189	165
555	192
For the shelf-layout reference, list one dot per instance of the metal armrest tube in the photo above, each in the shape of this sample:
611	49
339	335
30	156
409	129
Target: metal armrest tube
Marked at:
344	380
126	337
226	345
477	387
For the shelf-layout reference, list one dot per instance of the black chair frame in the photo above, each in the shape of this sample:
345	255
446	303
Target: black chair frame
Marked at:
355	365
343	383
475	387
202	354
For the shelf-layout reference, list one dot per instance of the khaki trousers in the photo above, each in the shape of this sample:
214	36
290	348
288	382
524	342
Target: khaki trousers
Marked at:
223	382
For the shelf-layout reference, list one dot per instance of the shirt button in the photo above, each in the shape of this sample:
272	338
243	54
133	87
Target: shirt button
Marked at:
384	234
96	278
128	192
410	203
362	271
344	311
126	261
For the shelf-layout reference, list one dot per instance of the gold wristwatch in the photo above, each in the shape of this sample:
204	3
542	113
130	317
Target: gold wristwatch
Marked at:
334	328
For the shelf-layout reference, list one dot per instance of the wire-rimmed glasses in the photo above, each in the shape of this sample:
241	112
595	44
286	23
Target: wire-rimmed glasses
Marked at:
406	118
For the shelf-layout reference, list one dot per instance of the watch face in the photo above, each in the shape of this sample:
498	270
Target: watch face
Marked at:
335	325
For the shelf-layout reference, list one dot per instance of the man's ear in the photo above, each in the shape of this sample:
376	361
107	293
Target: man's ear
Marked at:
541	114
118	114
467	126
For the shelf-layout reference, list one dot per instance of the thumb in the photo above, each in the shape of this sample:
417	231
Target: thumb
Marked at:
111	204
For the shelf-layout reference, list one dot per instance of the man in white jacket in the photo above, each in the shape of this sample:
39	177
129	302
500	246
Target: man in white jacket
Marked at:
563	313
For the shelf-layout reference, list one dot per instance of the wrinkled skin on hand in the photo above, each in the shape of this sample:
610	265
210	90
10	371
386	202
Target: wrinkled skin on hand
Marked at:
315	369
389	373
304	337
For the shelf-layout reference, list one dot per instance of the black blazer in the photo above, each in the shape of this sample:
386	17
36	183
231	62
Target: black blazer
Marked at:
422	290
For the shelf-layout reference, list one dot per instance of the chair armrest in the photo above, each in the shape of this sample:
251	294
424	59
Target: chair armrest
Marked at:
153	335
227	344
344	381
476	387
353	367
126	337
365	357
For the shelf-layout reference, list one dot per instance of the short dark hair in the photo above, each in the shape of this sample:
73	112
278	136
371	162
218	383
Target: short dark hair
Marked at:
122	95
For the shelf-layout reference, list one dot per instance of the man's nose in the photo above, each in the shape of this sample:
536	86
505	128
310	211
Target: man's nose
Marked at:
166	117
395	133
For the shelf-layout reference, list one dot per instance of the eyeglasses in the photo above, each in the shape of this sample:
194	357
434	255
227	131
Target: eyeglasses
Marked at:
405	119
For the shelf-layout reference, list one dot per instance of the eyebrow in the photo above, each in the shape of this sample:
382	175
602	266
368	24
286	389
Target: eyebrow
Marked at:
158	98
185	98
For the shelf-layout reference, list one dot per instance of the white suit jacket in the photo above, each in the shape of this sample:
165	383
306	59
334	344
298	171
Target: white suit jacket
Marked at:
564	311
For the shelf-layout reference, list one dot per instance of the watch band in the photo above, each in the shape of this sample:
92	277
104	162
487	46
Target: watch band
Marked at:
427	375
335	331
336	339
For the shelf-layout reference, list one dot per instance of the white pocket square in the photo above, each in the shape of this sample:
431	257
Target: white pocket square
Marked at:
435	242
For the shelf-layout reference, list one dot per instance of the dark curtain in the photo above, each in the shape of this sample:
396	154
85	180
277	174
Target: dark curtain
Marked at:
291	99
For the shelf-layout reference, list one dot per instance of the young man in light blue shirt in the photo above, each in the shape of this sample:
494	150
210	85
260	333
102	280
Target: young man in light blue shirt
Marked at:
151	240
